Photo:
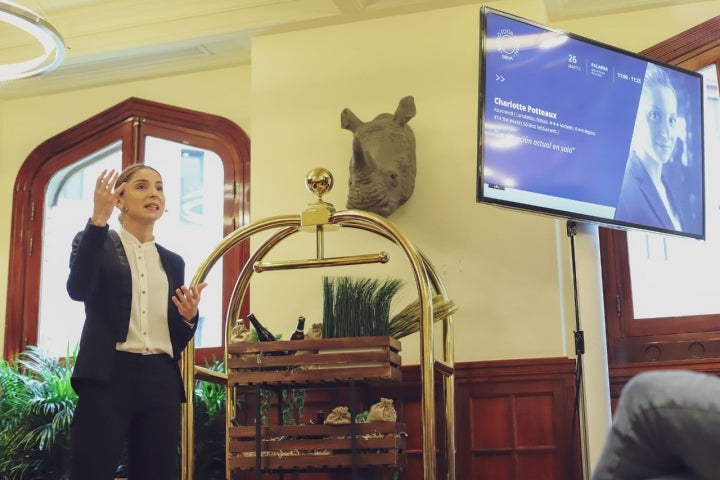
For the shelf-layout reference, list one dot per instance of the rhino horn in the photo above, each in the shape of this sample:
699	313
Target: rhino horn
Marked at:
405	111
361	160
349	121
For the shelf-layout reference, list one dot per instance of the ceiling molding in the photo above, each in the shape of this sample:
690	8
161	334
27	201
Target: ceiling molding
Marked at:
560	10
112	41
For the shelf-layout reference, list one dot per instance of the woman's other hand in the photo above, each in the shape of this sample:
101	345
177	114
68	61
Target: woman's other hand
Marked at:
186	300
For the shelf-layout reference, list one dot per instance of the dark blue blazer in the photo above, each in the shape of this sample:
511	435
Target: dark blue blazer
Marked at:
100	277
640	202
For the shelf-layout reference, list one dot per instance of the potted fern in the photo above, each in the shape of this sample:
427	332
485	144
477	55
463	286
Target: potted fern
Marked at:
209	416
37	403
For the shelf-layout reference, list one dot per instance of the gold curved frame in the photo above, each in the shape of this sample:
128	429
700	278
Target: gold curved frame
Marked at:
322	218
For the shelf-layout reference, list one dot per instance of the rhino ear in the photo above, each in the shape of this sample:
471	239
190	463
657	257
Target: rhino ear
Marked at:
349	121
405	111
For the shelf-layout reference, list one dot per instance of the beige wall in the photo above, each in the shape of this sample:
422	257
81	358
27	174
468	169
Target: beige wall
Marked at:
308	77
508	272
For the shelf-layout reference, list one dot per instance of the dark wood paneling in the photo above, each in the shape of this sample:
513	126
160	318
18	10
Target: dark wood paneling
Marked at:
514	421
520	415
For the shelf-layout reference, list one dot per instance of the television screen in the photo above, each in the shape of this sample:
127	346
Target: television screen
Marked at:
581	130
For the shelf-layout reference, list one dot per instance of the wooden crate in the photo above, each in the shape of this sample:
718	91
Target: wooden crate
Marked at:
298	447
316	361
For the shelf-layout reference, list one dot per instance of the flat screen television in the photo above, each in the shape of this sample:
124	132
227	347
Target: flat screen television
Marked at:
577	129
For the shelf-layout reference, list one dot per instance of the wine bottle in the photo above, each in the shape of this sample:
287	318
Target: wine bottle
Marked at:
263	333
299	333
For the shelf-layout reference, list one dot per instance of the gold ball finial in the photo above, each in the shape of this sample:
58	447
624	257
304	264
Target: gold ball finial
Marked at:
319	181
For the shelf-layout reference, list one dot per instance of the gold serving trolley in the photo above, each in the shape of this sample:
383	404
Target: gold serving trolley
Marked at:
321	218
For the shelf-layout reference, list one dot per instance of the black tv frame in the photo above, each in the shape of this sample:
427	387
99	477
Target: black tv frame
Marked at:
565	207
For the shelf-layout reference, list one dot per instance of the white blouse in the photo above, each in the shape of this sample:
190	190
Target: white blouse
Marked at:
148	332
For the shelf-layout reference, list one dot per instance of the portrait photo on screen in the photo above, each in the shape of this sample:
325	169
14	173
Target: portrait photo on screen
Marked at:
660	182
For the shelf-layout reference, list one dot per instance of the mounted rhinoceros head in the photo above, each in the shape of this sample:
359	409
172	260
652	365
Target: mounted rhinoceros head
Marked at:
382	168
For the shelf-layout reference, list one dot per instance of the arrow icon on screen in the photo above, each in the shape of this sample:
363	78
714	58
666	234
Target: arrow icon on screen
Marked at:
499	77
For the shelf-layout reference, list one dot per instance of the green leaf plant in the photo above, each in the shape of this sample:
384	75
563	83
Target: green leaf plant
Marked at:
37	404
357	307
209	416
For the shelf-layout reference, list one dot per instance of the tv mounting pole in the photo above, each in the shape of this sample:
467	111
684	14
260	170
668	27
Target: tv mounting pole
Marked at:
578	413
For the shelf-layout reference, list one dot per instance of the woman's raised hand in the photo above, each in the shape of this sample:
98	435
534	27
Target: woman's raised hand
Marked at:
105	197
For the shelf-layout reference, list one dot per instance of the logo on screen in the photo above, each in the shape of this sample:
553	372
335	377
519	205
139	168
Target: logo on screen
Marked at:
507	44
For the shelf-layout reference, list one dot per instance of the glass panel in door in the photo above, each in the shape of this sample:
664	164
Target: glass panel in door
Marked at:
193	222
68	206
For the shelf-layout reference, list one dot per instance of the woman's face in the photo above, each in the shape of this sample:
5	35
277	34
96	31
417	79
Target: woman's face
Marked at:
143	199
658	111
